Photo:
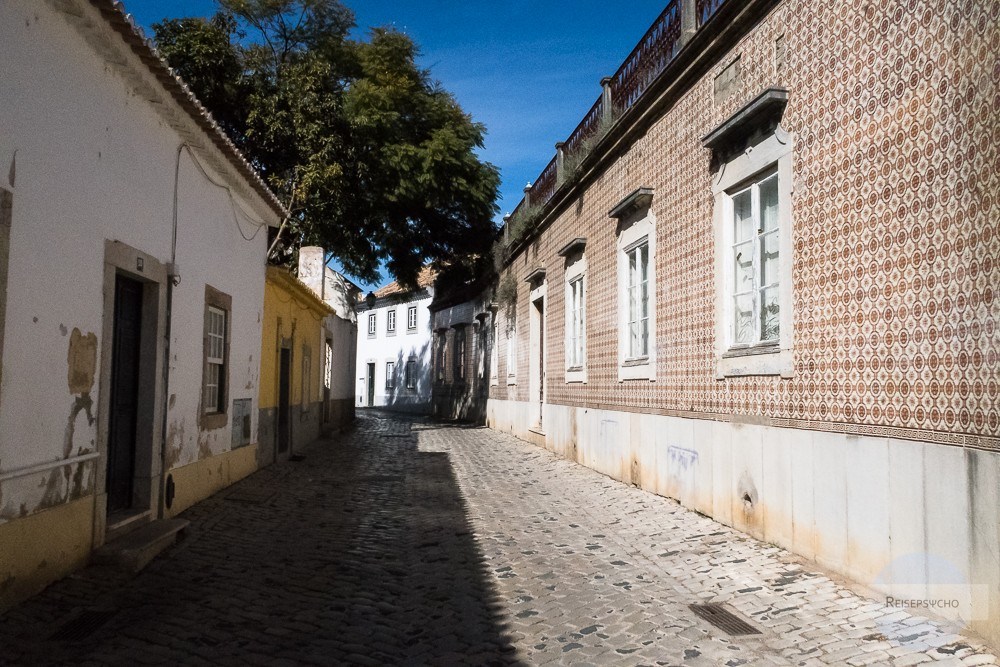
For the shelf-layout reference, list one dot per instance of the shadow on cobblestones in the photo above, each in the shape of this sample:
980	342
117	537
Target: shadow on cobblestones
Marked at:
362	553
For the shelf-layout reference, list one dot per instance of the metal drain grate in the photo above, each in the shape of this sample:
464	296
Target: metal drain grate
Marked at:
82	626
723	619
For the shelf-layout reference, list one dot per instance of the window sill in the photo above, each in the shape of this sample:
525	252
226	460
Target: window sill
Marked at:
390	333
641	368
213	420
758	360
752	350
635	361
576	375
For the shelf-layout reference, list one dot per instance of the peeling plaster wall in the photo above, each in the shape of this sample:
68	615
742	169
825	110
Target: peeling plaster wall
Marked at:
95	161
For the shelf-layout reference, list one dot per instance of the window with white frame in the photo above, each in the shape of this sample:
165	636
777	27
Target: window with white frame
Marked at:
460	354
371	325
411	374
637	296
390	321
328	365
442	348
575	333
753	230
511	350
637	286
576	311
495	352
411	318
215	359
390	375
755	253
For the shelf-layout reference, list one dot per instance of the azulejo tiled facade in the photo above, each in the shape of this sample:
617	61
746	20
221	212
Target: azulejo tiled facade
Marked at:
888	119
896	234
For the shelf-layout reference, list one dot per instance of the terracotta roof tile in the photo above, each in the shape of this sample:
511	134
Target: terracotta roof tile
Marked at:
424	279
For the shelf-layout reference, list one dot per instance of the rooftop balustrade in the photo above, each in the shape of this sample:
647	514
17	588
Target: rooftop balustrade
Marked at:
621	92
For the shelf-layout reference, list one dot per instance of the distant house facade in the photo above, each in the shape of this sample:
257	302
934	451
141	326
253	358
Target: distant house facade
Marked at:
132	264
761	278
307	359
394	347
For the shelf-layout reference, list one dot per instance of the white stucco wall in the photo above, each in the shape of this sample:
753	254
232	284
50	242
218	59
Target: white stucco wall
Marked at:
398	348
89	159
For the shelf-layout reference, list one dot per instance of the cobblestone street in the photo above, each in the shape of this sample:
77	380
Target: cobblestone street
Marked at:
410	542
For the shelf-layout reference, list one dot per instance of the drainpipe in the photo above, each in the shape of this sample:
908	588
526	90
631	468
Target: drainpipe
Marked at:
173	279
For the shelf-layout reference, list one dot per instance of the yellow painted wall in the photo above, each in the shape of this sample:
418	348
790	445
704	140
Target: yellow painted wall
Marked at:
197	481
301	316
42	548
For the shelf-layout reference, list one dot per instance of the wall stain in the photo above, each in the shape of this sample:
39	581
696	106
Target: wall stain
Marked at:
6	584
204	449
175	444
82	361
82	403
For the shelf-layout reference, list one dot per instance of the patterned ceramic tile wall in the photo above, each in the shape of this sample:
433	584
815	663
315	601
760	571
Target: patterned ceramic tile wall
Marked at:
894	106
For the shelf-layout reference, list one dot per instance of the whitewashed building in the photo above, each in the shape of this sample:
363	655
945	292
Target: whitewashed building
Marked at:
133	238
394	347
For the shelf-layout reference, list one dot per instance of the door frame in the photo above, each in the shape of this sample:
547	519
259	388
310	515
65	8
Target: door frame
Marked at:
122	259
370	384
537	355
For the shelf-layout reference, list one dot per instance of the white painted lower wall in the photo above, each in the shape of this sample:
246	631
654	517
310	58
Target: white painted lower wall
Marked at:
906	519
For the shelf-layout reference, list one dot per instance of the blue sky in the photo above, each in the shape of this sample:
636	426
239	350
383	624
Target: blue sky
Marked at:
529	71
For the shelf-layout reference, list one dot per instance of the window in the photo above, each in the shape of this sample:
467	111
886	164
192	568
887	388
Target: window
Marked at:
755	251
328	365
411	318
512	351
442	345
753	239
574	349
411	374
390	375
371	325
390	321
636	286
215	358
576	307
460	354
495	353
307	396
638	301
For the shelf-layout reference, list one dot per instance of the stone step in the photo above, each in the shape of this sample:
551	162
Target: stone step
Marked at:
134	551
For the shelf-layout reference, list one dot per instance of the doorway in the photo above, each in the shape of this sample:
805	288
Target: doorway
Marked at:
536	363
123	416
284	400
371	385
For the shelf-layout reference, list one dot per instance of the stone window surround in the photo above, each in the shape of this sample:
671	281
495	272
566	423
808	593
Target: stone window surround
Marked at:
411	319
372	325
460	355
576	269
764	150
390	375
390	321
222	301
634	229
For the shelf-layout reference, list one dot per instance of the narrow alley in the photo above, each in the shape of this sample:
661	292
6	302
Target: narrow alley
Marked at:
404	541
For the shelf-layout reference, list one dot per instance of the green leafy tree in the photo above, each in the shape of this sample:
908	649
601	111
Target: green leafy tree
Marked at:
380	162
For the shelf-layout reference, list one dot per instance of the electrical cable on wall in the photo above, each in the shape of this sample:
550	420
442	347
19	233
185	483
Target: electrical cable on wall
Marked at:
234	205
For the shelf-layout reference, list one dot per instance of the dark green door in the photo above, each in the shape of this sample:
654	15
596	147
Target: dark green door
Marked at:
124	393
